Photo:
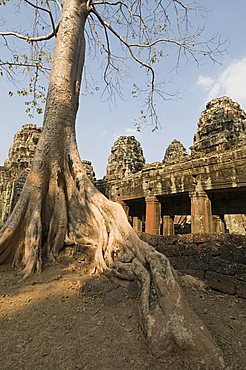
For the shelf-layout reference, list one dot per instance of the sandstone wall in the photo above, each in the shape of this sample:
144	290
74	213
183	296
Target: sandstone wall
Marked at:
219	259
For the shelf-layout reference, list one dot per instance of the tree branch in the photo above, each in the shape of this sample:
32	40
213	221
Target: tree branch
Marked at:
29	38
24	65
44	10
51	18
128	46
36	6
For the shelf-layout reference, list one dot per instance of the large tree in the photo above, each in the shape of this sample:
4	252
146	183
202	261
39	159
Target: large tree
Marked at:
59	205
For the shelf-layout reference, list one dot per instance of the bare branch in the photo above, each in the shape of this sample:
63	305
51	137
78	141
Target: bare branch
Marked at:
51	18
146	31
36	6
128	46
48	10
24	65
29	38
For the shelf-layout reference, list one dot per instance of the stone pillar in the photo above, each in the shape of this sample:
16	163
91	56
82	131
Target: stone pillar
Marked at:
201	213
153	216
137	224
168	225
218	224
124	206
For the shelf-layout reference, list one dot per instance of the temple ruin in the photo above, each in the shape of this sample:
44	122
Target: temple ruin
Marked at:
15	169
200	192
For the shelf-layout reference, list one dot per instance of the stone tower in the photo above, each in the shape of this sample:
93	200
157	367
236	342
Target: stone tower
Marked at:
89	170
126	157
14	172
221	126
175	153
22	151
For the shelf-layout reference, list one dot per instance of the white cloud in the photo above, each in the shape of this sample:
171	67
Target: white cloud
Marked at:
230	82
205	82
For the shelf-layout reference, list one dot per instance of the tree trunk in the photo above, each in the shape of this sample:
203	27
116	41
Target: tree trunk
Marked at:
60	205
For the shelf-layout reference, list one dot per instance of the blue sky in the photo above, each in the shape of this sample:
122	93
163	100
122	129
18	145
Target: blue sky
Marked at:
98	124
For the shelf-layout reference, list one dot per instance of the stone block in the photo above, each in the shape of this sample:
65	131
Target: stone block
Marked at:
199	262
221	282
201	238
240	288
234	250
180	263
200	274
150	239
170	250
187	249
213	248
240	272
171	240
222	266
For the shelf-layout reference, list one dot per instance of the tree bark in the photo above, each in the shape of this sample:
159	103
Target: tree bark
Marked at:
59	205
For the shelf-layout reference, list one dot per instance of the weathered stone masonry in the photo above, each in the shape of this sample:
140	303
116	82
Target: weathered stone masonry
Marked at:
219	259
201	192
14	172
206	188
16	168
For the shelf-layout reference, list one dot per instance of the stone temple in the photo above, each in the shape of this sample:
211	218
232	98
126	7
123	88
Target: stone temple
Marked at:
15	169
200	192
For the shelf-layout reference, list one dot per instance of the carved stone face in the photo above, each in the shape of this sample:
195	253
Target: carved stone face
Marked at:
175	152
126	157
221	126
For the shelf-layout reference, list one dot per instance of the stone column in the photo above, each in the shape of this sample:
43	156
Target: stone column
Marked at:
137	224
153	216
168	225
201	213
218	224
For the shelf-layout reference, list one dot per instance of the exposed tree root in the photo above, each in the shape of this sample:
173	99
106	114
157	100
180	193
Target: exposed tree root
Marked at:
67	209
165	315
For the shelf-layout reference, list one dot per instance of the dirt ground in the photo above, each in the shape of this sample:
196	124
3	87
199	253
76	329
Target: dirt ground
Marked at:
60	320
